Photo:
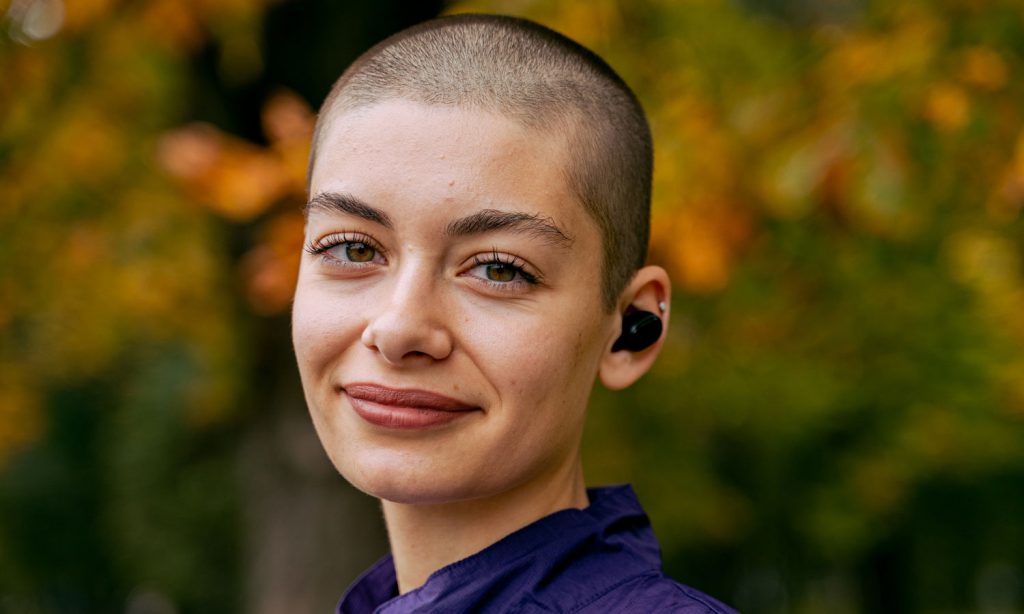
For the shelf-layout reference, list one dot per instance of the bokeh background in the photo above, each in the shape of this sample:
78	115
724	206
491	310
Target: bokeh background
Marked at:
836	424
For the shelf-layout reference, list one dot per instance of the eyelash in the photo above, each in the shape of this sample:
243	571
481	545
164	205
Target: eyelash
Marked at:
320	246
514	262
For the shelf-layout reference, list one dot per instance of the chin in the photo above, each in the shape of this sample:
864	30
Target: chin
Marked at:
400	485
407	492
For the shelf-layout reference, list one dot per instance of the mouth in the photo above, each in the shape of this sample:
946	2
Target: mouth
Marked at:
403	408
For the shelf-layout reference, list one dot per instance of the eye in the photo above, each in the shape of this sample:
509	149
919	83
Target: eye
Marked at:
357	252
503	271
346	249
499	271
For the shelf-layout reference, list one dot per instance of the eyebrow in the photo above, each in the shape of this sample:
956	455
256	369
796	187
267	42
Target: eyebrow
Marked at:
481	222
337	202
490	220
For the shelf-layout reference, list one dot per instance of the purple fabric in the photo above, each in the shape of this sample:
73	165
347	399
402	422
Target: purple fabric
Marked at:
600	559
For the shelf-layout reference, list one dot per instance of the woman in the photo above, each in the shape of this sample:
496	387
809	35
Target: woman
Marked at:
475	240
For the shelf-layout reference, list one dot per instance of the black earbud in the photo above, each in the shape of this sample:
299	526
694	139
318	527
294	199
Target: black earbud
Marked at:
640	329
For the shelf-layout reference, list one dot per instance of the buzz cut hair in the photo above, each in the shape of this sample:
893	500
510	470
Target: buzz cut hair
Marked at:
541	79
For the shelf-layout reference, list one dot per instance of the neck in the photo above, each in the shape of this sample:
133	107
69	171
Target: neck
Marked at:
427	537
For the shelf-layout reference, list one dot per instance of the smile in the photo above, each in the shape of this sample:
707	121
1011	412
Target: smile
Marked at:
397	408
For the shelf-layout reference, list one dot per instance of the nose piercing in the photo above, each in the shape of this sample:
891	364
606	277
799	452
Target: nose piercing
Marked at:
662	307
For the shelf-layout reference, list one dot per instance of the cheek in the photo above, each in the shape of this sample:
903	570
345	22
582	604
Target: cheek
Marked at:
321	329
542	362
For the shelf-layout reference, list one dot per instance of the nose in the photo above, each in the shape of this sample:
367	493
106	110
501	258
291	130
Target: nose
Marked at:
409	326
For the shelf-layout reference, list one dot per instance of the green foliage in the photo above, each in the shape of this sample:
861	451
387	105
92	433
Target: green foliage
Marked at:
122	352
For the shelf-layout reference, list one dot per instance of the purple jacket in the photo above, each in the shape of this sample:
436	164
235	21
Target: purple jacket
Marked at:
600	559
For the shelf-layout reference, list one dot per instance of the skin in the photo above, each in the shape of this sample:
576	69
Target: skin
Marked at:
402	301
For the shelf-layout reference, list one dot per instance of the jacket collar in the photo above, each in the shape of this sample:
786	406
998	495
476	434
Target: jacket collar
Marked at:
585	549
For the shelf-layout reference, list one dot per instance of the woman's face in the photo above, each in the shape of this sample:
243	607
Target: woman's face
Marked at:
447	320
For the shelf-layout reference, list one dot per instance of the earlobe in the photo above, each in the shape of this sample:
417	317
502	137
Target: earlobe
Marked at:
644	309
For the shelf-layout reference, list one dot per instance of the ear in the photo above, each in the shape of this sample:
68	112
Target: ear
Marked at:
649	288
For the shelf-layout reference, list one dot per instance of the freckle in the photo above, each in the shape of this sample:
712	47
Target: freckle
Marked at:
456	387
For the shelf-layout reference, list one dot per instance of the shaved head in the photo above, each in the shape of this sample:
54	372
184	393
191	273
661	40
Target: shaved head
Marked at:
544	81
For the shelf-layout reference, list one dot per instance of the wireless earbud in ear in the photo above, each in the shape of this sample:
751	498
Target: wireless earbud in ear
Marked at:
640	329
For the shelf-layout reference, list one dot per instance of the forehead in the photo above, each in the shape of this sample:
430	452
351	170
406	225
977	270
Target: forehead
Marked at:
442	154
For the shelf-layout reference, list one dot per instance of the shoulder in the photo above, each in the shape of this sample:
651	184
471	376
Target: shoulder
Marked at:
654	593
642	594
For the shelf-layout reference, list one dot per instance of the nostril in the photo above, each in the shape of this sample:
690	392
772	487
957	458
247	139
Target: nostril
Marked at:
397	338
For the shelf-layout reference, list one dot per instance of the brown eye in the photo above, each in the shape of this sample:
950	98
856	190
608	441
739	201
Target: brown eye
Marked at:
501	272
359	252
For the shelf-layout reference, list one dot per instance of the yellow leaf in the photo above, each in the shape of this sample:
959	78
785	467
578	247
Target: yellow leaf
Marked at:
947	106
984	68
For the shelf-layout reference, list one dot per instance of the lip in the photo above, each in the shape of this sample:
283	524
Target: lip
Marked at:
404	408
